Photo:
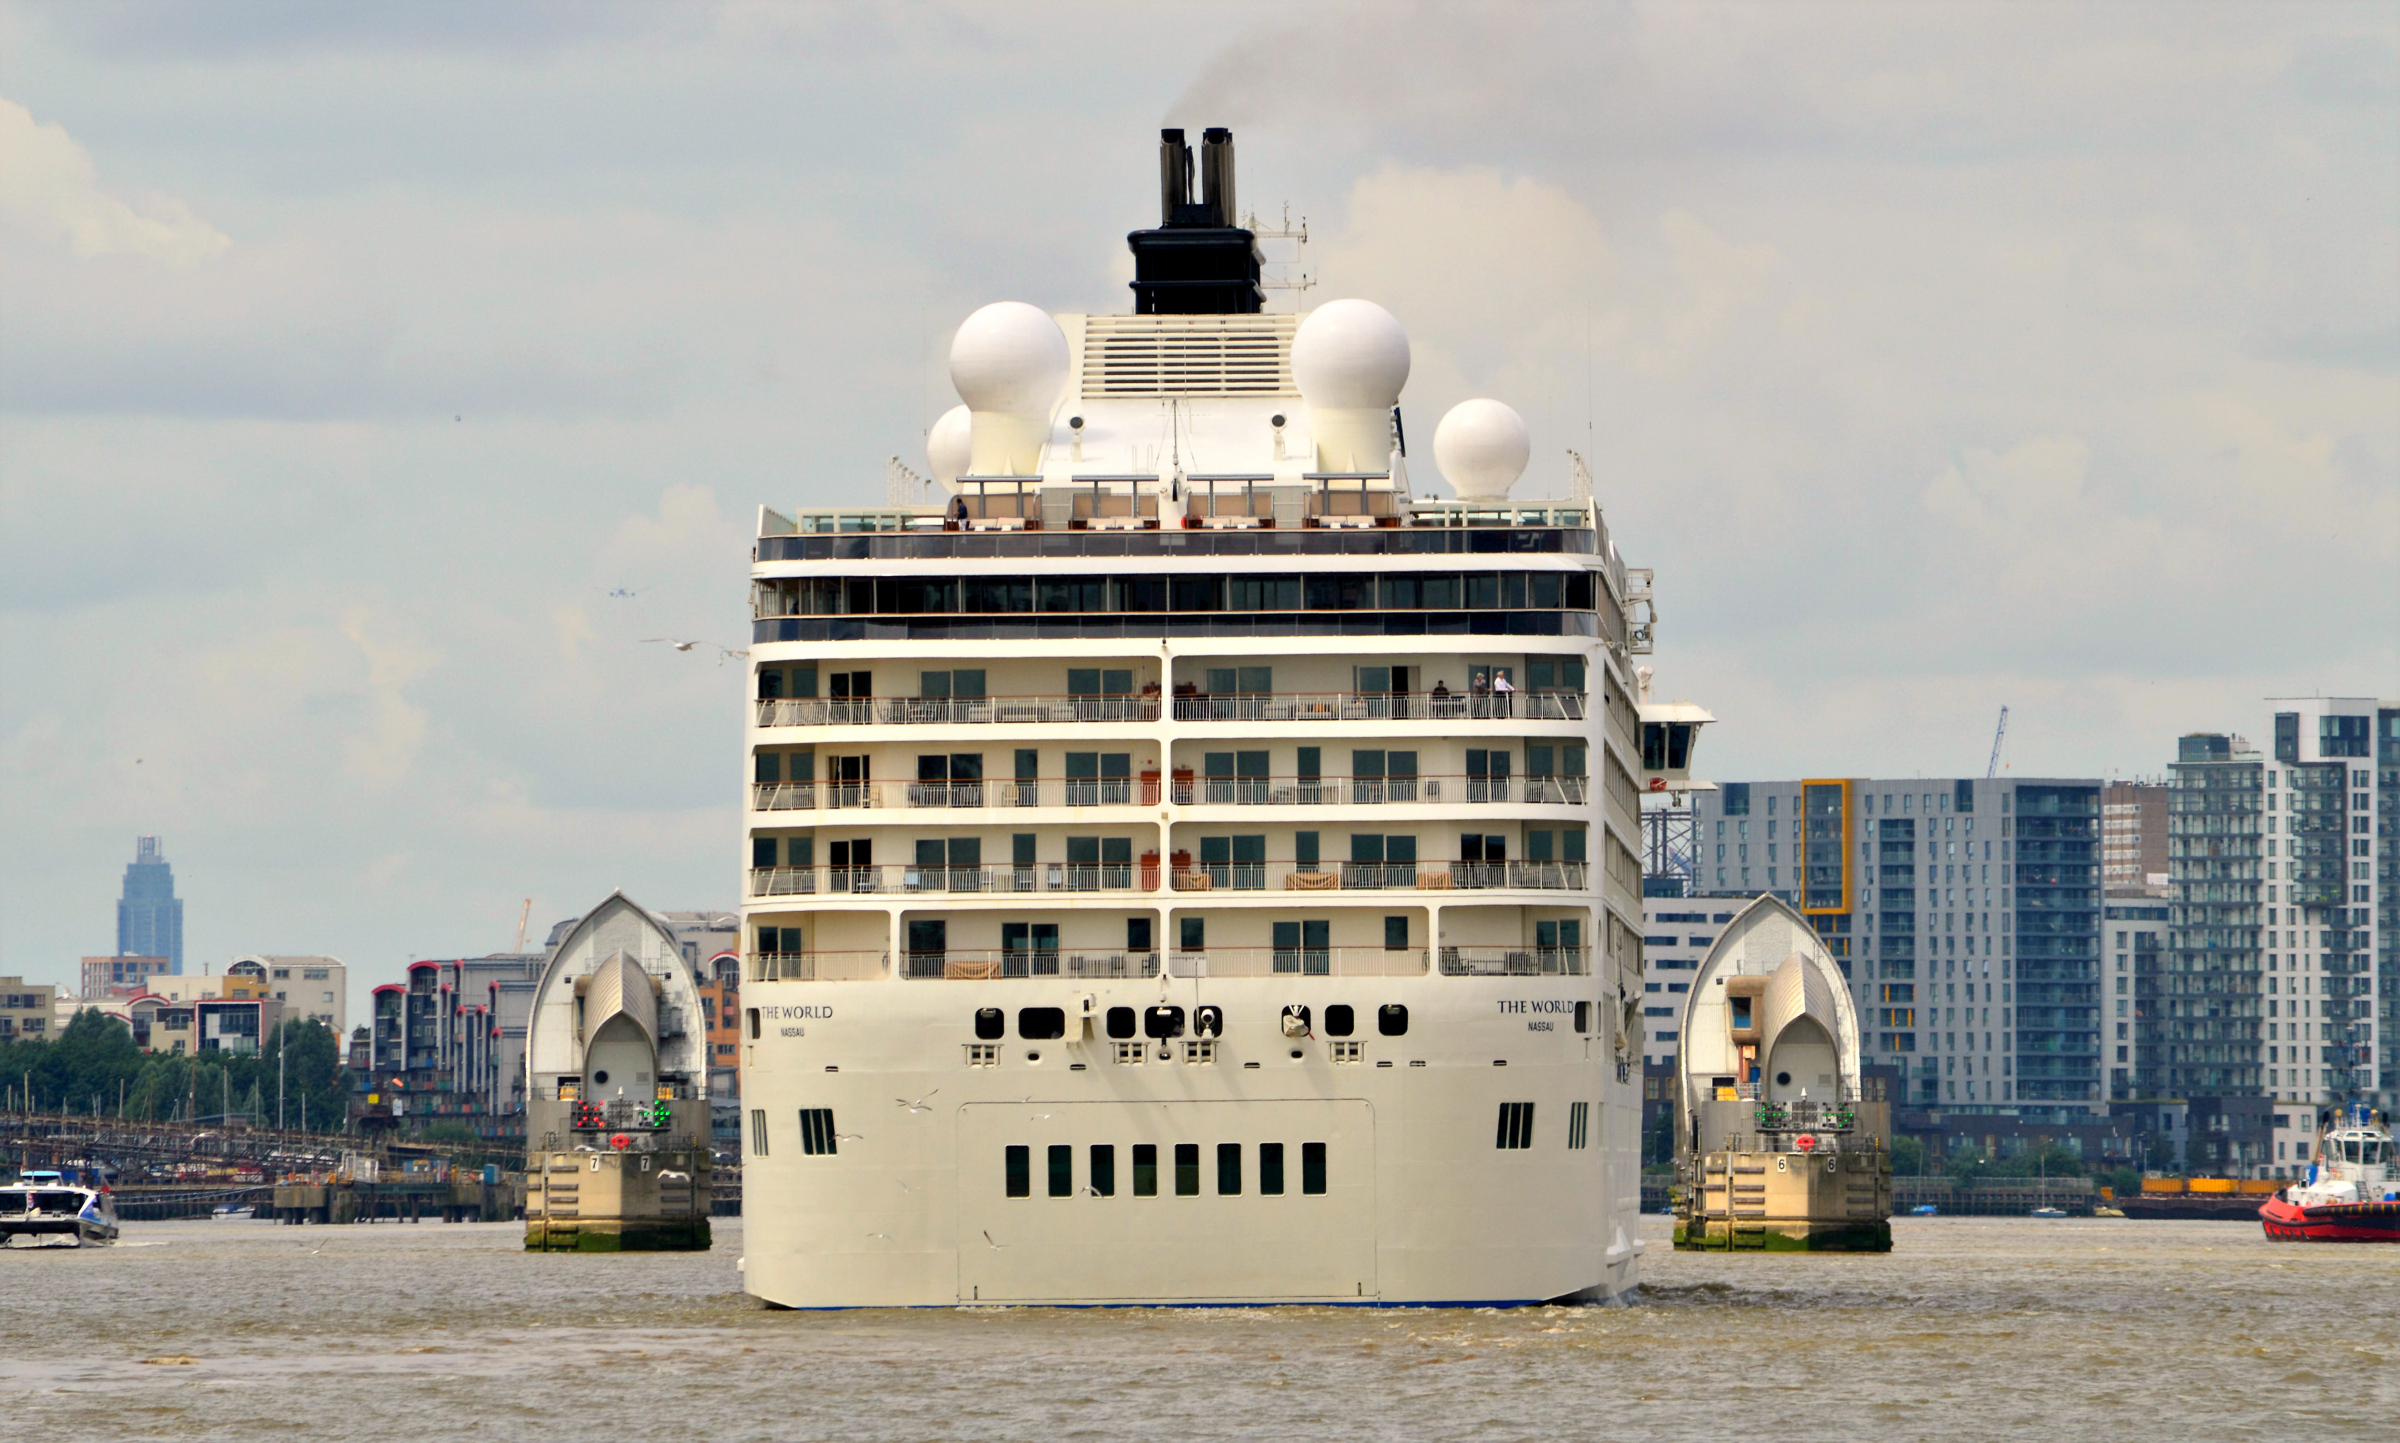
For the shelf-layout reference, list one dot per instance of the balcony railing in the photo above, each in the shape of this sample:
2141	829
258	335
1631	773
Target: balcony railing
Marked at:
1188	791
902	879
954	711
1299	962
1514	961
985	965
1031	710
815	966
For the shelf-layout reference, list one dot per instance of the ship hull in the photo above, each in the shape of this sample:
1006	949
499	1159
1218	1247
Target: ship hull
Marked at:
942	1186
2369	1222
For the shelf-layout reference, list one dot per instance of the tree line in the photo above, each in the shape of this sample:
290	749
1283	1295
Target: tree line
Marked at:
92	1067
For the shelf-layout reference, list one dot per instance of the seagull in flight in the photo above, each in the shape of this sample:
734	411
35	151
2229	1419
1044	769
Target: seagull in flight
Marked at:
919	1105
723	652
987	1239
887	1237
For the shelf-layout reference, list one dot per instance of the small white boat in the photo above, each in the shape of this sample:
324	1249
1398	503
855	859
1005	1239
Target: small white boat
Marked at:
43	1208
2049	1212
233	1213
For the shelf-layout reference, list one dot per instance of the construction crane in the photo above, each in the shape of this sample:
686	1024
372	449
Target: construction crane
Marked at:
1998	737
522	917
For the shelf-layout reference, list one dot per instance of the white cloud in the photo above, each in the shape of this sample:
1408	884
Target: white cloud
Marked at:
50	190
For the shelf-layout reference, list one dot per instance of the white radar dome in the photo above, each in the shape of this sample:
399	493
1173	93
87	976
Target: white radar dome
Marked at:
950	445
1482	447
1350	355
1009	357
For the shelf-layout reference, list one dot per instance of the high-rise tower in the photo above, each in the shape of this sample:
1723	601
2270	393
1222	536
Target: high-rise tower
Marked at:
149	914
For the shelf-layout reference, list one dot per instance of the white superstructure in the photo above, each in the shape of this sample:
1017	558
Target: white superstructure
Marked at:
1191	865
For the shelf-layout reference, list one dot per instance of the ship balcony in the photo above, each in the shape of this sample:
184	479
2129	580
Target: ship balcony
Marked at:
1071	877
1183	790
982	965
1075	710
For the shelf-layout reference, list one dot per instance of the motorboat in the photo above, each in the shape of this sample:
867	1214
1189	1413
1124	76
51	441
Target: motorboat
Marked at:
233	1213
45	1208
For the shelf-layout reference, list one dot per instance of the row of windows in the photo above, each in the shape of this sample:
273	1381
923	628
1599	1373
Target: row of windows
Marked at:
1165	1021
1119	595
1100	1173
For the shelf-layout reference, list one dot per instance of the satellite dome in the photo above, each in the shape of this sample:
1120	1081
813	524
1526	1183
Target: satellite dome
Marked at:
1009	357
950	445
1482	447
1350	355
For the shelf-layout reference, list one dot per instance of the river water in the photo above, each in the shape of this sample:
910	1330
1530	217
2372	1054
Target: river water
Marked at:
1971	1328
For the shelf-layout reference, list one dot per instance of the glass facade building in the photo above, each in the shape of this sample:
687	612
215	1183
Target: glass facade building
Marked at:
1967	914
149	914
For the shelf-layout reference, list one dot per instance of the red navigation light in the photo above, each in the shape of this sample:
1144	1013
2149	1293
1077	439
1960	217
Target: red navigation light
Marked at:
620	1142
1806	1142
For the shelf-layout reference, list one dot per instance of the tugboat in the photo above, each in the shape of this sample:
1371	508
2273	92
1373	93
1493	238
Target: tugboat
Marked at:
2352	1192
45	1207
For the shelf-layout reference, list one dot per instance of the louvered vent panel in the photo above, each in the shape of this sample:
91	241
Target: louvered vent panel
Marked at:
1188	356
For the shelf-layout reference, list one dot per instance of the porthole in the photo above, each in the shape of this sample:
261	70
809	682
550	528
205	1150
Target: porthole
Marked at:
600	1078
1783	1079
990	1026
1340	1020
1120	1022
1163	1022
1391	1019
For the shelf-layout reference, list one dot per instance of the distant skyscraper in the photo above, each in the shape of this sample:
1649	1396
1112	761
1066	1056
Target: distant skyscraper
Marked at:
150	915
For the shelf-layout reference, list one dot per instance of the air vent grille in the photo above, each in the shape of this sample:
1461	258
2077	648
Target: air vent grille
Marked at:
1188	355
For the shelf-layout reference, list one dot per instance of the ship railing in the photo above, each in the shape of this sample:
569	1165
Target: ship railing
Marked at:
1299	962
904	879
829	966
988	965
1037	709
1514	961
1051	709
1376	706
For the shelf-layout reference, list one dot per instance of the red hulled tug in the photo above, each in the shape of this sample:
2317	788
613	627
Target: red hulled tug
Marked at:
2352	1193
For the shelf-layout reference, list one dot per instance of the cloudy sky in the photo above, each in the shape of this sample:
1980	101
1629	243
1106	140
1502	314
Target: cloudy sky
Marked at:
355	361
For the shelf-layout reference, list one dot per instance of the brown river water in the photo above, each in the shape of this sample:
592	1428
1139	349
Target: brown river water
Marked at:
1971	1328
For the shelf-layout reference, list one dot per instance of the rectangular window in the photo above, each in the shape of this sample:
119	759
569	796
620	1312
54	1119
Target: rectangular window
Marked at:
1270	1169
1395	934
1187	1169
816	1131
758	1132
1062	1170
1579	1116
1516	1126
1145	1169
1312	1169
1019	1163
1104	1170
1229	1169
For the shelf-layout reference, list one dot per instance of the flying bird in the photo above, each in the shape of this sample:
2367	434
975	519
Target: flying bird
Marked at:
723	652
987	1240
671	641
920	1104
887	1237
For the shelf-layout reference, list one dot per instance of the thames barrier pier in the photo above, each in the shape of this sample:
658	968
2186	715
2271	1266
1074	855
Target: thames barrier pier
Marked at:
617	1156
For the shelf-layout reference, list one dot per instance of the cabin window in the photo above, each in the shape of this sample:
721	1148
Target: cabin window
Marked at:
1145	1169
1340	1020
1579	1118
1516	1126
1104	1171
1270	1169
1187	1169
753	1012
1741	1011
1312	1169
1583	1017
1161	1023
990	1024
758	1132
1040	1024
816	1131
1120	1022
1391	1019
1062	1170
1229	1169
1019	1164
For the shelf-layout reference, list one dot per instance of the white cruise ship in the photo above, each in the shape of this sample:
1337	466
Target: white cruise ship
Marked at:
1190	865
